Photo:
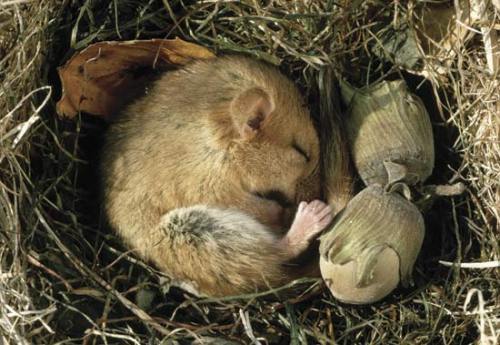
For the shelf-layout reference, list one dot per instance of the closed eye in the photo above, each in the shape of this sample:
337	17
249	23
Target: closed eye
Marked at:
300	150
277	196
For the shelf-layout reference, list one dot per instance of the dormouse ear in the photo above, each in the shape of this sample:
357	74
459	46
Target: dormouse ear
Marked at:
249	110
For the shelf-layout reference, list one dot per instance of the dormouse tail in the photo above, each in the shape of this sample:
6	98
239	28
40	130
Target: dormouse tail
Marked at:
335	163
219	251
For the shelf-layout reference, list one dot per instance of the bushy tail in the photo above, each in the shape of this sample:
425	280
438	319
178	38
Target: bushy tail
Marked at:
336	172
220	251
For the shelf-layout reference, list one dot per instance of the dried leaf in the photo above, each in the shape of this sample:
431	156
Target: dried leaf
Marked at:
101	77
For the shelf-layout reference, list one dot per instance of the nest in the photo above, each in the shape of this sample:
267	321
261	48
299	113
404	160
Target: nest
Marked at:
66	278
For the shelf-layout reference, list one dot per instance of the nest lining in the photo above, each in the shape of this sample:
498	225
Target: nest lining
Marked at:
65	278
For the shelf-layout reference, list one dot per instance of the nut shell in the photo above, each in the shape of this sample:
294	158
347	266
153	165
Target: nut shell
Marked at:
344	285
387	123
372	222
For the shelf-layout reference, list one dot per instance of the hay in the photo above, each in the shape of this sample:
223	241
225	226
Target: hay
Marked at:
65	278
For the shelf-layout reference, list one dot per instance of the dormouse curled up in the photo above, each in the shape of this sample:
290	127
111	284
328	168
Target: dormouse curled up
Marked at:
203	174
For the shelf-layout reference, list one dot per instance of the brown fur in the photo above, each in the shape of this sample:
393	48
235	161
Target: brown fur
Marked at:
185	168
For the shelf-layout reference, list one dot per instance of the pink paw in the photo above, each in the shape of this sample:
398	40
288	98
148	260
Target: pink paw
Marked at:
310	219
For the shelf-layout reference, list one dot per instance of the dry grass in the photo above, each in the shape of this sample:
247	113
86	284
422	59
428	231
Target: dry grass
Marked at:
65	278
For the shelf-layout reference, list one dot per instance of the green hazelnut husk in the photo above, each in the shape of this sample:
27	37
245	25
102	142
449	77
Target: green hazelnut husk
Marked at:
386	123
378	237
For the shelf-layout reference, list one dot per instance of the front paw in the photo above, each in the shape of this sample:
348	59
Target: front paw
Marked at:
310	219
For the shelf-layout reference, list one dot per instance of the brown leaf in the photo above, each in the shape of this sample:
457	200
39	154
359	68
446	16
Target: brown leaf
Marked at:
101	77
